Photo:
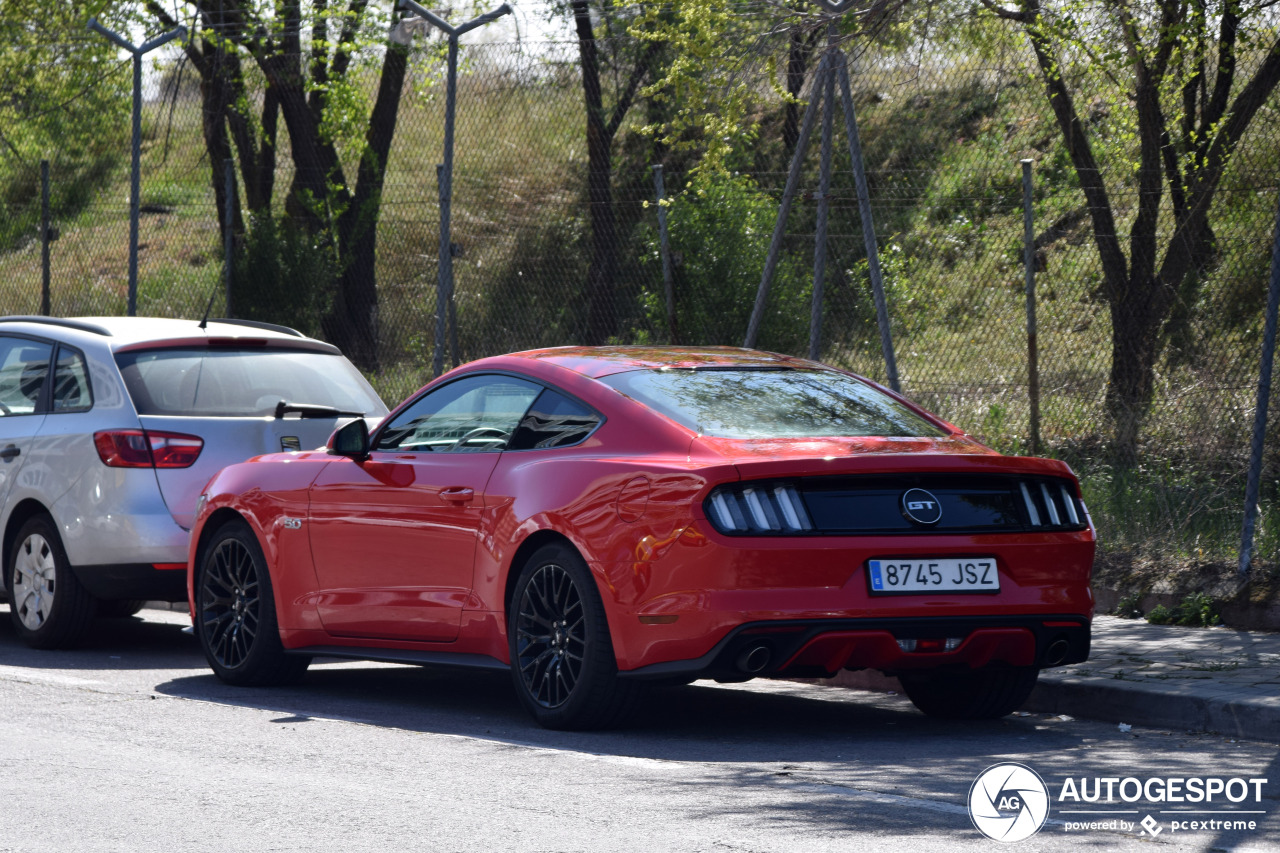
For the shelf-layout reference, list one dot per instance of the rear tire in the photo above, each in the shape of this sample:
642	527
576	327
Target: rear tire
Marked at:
562	660
121	608
236	612
49	607
978	694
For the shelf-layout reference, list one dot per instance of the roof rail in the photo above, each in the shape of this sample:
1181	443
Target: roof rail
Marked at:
258	324
80	325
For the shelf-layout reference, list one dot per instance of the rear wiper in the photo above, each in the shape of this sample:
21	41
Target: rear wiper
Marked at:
313	410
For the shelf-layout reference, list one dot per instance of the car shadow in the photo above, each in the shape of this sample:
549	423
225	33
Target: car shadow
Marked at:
760	722
147	641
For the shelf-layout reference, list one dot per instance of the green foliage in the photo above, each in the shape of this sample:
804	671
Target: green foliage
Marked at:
546	261
720	229
63	98
707	99
283	274
1128	607
1197	610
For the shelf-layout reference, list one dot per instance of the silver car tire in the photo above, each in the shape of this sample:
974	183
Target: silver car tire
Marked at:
49	607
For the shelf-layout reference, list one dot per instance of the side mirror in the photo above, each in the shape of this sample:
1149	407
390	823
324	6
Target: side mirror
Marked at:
350	440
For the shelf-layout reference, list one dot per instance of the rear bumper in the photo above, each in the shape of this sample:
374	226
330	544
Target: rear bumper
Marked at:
133	580
822	647
117	517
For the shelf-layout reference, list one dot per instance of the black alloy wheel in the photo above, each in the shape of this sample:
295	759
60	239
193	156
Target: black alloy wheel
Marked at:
235	612
231	602
562	660
551	636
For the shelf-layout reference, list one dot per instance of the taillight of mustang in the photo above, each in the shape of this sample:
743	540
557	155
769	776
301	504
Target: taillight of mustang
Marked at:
896	504
141	448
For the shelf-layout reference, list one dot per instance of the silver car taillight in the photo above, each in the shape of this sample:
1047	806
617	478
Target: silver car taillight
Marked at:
758	508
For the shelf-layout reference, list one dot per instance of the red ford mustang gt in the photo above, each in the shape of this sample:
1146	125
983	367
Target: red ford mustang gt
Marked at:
595	518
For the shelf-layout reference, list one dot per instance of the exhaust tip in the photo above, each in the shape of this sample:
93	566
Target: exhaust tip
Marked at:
754	658
1057	652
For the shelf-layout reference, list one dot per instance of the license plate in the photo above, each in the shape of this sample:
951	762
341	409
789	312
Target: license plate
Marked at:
965	574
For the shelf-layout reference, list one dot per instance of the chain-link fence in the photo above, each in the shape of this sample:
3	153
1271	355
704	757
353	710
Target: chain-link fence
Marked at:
943	130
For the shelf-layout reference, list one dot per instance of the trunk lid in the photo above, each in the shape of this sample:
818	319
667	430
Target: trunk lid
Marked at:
226	442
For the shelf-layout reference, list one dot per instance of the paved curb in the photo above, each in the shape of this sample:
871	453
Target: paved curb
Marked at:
1212	708
1217	708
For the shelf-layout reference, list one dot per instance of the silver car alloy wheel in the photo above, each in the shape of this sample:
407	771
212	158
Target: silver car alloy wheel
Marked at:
34	579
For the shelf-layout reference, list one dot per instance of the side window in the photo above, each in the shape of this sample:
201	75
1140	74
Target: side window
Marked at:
471	414
554	420
71	382
23	366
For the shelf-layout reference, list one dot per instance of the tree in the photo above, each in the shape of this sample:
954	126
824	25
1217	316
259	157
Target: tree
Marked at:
310	57
64	98
1196	73
600	27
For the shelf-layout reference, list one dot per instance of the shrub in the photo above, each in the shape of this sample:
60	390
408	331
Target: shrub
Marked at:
283	275
720	228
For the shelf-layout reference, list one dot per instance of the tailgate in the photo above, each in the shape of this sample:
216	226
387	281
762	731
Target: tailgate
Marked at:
226	442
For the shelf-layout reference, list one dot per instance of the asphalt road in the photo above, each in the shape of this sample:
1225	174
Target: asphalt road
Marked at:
131	744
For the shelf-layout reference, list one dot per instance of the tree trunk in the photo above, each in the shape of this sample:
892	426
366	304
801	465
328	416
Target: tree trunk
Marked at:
1136	318
601	310
799	49
352	323
216	93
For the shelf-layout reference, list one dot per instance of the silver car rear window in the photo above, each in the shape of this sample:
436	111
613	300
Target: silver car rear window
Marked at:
248	382
770	403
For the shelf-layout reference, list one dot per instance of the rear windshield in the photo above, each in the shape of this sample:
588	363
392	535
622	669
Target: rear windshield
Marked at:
771	403
242	382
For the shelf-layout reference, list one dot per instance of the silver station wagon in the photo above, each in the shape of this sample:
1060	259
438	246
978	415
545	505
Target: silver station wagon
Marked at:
109	429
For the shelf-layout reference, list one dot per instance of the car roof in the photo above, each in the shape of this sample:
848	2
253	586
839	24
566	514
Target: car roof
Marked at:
121	333
596	362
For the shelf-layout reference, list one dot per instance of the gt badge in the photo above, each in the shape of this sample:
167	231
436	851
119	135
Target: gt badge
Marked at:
921	507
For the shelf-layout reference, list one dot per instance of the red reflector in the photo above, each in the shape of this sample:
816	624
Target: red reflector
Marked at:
930	645
137	448
168	567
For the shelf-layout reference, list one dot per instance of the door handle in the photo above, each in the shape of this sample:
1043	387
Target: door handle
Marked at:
9	452
457	494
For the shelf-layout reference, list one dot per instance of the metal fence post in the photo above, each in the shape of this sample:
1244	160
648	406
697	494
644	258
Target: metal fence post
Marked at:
444	173
46	235
824	207
228	217
1029	262
868	227
788	196
1264	399
135	172
664	248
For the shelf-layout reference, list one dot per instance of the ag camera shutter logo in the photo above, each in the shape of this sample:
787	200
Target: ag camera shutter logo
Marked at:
1008	802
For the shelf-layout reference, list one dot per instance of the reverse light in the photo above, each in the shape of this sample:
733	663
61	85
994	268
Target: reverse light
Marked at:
139	448
758	508
930	646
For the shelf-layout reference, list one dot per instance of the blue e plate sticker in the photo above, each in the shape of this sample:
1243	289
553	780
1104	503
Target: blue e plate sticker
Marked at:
877	581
